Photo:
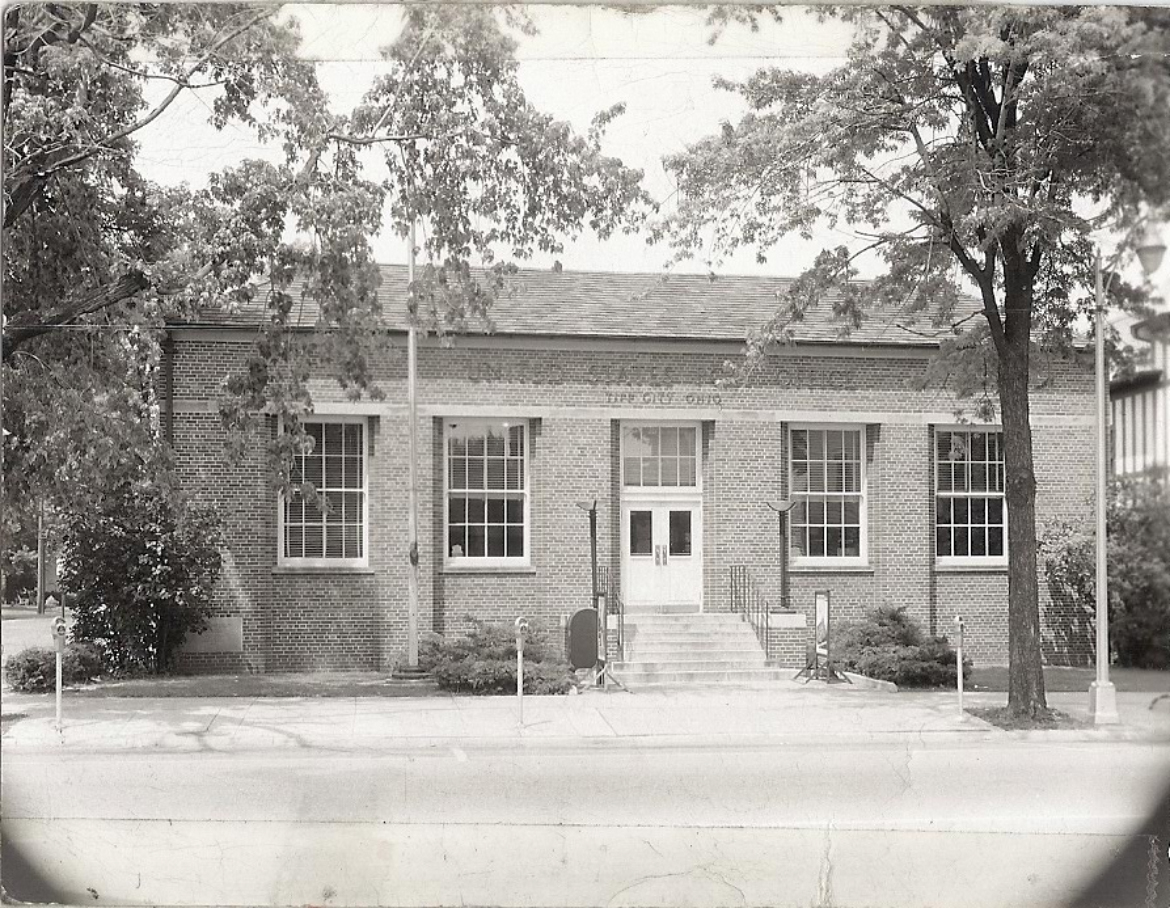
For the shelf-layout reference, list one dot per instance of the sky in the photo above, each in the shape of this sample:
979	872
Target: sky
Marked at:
583	60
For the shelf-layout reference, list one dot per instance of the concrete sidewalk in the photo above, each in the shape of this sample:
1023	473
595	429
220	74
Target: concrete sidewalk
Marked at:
792	713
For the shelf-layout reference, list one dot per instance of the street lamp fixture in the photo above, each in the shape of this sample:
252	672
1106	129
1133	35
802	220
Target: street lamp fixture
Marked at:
590	508
782	508
1102	694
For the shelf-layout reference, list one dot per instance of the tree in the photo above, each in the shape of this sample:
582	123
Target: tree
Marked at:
994	140
140	568
488	179
97	258
1139	570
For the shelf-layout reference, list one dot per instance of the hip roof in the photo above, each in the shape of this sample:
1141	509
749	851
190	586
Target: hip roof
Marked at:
596	304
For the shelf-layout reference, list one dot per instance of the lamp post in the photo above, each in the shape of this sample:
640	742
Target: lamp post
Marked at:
1102	693
590	508
782	508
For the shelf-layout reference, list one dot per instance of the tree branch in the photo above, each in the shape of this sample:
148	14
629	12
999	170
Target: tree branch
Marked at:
123	288
28	186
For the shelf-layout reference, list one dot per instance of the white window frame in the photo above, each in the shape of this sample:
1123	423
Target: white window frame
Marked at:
283	560
660	491
489	562
830	561
965	560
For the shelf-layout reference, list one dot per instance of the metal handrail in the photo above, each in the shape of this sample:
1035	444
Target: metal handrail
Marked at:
614	606
749	602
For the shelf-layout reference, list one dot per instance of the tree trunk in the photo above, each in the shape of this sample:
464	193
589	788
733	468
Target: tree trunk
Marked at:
1026	695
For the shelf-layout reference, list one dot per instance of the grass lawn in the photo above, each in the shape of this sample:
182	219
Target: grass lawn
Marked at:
1002	718
1076	680
309	684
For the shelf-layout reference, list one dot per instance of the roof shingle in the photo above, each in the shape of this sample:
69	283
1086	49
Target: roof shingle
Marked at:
626	305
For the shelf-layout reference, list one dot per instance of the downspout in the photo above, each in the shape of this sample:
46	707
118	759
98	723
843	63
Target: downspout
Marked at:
168	388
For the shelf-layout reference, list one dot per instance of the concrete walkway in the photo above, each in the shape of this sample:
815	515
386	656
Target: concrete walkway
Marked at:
787	711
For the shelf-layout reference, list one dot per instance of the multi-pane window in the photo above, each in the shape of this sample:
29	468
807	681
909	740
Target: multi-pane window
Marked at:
970	515
327	522
828	488
660	456
487	490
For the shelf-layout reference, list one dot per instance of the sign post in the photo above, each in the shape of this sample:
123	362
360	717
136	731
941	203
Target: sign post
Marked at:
959	663
59	646
521	627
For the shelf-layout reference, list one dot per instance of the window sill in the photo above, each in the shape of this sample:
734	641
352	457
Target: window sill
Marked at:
488	569
831	569
292	569
974	567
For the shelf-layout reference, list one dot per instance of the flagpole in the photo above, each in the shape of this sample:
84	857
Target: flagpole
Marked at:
412	498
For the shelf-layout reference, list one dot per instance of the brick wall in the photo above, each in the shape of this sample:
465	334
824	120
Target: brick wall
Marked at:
357	619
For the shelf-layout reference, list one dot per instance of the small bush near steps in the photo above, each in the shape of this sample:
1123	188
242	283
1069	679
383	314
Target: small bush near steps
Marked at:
887	645
34	670
483	661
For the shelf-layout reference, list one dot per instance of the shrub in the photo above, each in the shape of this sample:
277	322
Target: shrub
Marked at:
889	646
140	566
34	670
483	661
1139	571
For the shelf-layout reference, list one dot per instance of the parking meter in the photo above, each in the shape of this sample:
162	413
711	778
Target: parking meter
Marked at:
959	627
521	628
58	630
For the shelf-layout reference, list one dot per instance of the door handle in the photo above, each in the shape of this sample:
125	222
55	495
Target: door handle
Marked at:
657	555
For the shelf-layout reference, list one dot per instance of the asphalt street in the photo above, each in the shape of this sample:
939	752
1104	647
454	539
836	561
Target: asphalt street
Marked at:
861	822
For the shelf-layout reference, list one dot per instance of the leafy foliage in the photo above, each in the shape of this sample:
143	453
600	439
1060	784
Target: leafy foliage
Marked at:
967	147
1138	555
139	568
97	258
34	670
484	661
889	646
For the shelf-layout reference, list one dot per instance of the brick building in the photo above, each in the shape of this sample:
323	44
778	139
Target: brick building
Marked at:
606	386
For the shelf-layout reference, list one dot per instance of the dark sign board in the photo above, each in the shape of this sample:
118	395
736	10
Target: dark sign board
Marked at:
583	639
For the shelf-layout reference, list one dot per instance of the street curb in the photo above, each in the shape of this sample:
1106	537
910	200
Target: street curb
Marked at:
871	683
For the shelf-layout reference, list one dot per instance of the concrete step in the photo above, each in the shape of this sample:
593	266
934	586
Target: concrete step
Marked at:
686	624
704	650
641	666
683	608
655	618
699	637
634	678
690	630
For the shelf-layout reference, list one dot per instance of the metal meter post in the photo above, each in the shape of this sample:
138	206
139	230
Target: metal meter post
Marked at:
58	628
959	662
521	627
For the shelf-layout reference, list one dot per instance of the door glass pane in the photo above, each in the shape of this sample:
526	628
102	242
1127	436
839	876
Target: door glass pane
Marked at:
680	532
641	534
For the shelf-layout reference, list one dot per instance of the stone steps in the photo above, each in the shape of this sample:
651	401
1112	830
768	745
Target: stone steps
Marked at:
638	678
696	649
654	666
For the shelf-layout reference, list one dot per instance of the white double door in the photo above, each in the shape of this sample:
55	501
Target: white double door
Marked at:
662	545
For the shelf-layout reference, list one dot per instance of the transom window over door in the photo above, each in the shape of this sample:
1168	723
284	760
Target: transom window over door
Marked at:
660	456
970	517
487	491
330	530
827	469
